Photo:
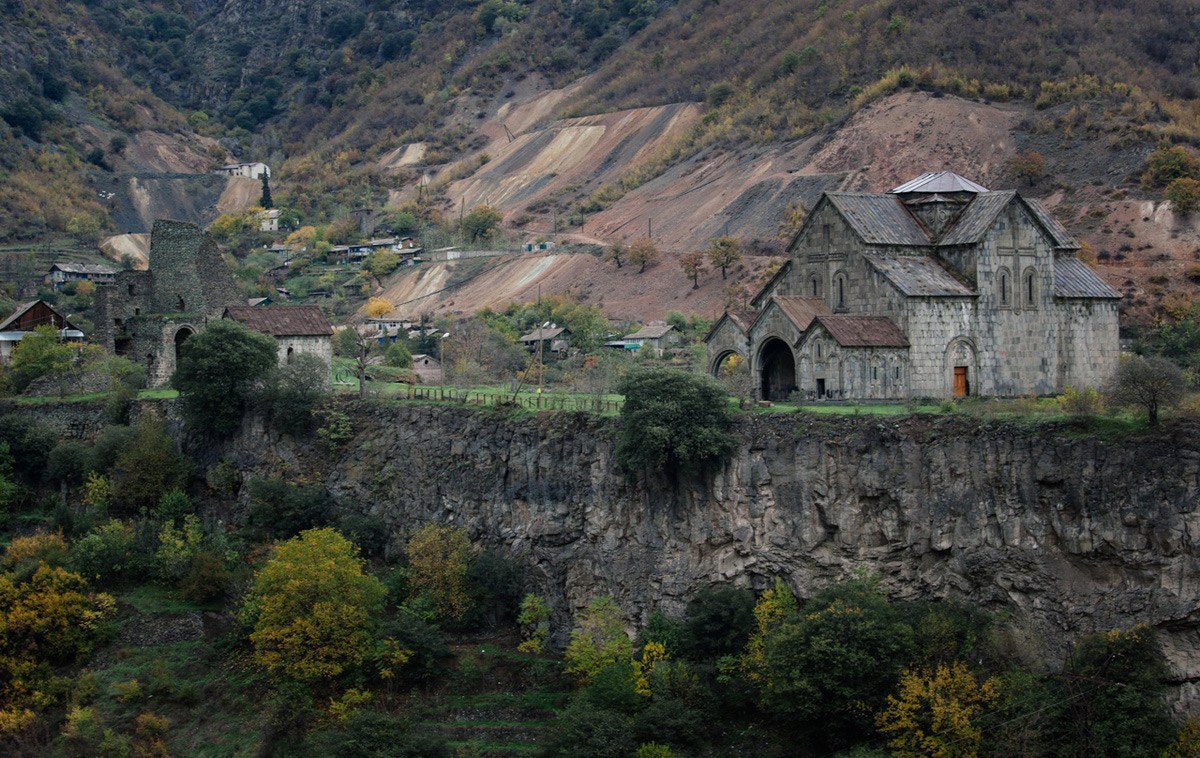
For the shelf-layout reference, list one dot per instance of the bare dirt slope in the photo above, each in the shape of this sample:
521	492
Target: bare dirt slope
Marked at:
540	163
134	246
578	152
464	288
240	193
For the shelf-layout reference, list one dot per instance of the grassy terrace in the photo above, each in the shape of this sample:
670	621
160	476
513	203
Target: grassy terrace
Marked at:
1018	410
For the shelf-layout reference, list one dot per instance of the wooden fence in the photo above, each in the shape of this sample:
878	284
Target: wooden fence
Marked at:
532	402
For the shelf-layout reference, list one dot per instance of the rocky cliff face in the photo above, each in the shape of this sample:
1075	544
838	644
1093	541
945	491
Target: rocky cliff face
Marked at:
1068	534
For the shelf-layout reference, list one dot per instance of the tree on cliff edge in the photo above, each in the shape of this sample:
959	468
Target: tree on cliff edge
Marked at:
673	421
1151	383
217	372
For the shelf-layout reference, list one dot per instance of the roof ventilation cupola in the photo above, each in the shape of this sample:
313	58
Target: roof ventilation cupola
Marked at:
937	198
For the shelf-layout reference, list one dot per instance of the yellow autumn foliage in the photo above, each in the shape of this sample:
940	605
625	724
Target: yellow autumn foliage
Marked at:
312	608
936	712
48	619
440	556
772	609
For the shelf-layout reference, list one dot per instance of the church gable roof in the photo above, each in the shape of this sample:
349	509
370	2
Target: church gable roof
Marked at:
1073	279
919	276
977	218
863	331
801	311
879	219
1062	239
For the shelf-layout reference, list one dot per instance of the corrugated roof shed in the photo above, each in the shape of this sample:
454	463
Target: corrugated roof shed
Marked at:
544	334
977	218
801	310
939	181
919	276
84	268
879	219
650	332
282	320
1073	278
863	331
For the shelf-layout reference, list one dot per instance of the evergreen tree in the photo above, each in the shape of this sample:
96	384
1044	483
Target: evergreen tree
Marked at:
266	201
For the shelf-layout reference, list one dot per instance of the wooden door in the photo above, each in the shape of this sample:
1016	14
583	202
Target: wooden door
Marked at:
960	381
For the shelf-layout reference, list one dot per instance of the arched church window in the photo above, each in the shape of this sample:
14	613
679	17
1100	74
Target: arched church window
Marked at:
1030	287
815	285
1004	287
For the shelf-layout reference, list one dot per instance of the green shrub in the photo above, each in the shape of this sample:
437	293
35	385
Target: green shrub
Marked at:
832	666
108	445
68	463
496	585
149	466
1184	195
583	730
106	554
673	421
1115	704
207	579
294	392
174	504
28	445
718	622
429	650
371	734
398	356
280	510
1168	163
598	640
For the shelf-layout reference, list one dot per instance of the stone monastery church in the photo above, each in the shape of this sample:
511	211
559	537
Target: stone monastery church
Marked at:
938	288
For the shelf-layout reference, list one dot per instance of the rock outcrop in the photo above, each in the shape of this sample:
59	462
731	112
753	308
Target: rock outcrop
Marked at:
1064	532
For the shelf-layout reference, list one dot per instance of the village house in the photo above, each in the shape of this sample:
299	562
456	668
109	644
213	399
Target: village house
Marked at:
654	337
405	247
551	338
97	273
938	288
252	170
299	329
427	368
268	220
26	318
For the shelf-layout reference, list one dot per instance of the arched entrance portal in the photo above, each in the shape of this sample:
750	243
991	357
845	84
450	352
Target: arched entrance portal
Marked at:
181	337
777	367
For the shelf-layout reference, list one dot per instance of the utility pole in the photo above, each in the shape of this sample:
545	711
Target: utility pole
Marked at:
541	344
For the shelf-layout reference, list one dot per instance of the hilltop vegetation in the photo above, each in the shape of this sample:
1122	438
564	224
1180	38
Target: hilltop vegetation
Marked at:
323	93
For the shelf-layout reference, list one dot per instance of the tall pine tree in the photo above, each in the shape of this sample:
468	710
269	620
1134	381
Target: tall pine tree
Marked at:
266	201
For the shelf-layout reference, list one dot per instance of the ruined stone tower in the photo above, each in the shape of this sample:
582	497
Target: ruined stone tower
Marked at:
147	315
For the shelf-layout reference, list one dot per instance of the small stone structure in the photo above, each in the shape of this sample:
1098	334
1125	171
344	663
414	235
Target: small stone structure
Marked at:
299	329
148	315
939	288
